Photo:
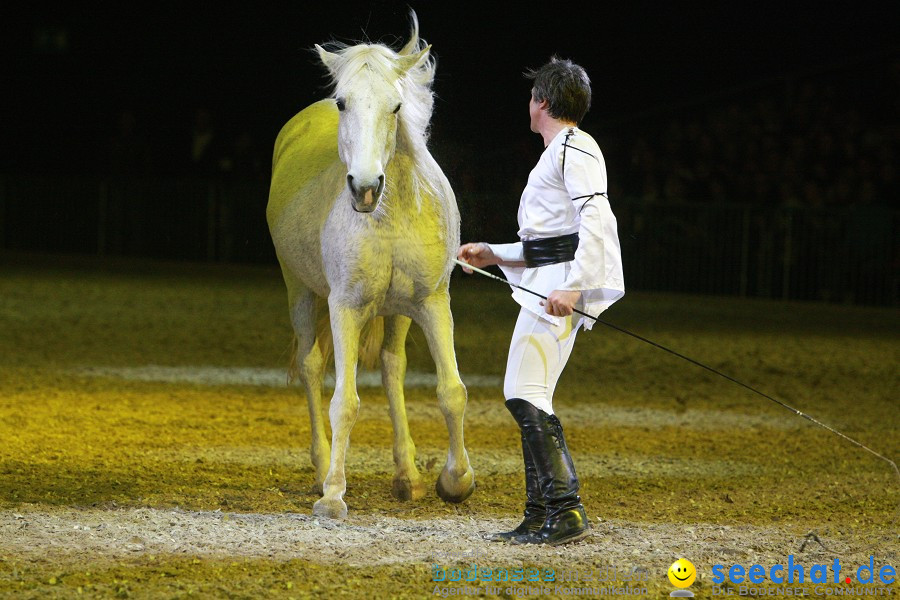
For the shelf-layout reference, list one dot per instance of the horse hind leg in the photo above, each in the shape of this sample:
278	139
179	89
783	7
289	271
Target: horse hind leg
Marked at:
407	483
309	364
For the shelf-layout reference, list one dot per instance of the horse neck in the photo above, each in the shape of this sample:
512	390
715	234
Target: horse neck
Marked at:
418	181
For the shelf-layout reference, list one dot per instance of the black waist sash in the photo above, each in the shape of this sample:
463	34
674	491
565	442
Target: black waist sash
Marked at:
550	251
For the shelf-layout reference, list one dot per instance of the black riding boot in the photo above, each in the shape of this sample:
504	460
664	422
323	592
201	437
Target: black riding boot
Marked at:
566	520
534	504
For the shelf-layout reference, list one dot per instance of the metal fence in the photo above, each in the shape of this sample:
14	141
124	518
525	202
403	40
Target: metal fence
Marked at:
847	254
186	218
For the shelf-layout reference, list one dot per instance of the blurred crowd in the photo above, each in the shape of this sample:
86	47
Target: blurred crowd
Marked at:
830	139
819	141
826	140
202	178
204	149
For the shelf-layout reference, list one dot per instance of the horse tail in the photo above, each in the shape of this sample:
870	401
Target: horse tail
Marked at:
370	343
370	339
293	368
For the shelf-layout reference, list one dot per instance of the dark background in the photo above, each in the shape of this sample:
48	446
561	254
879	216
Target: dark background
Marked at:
752	147
70	68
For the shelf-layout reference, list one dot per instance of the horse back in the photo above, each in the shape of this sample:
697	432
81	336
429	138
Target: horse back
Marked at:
305	149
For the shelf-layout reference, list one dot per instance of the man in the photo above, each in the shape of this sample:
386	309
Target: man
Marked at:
570	253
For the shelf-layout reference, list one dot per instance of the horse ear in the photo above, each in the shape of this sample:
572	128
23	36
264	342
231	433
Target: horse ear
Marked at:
329	59
413	44
413	61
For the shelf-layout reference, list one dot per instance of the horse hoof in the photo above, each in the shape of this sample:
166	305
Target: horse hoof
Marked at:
453	489
406	490
334	508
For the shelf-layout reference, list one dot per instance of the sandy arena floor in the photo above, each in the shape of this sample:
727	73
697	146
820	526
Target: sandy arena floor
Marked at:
150	447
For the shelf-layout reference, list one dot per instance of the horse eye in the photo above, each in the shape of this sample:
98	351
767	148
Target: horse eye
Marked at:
340	104
396	110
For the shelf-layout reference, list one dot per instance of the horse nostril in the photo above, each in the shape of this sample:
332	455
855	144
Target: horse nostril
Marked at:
350	183
380	184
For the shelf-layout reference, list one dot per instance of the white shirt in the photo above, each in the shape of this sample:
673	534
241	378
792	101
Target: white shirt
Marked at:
566	193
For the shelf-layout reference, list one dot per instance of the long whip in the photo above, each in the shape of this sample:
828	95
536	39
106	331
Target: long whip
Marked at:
694	362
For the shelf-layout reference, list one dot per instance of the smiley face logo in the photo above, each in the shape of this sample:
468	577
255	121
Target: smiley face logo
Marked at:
682	573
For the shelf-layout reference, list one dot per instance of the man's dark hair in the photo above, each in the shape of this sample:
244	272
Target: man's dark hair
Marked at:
565	86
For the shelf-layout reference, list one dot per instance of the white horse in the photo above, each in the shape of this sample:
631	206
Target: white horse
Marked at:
361	214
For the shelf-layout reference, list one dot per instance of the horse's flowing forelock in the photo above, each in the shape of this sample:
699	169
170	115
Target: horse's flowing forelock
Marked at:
382	62
377	60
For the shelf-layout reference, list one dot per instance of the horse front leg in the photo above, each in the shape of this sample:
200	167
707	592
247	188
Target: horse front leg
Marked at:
346	323
457	480
310	366
407	484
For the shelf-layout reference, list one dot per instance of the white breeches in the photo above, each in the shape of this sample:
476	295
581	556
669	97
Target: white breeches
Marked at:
538	353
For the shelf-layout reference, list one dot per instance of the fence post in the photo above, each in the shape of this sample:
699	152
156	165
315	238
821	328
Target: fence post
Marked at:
211	221
102	216
788	255
745	251
4	192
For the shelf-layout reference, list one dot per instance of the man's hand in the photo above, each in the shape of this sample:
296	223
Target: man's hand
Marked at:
560	303
477	254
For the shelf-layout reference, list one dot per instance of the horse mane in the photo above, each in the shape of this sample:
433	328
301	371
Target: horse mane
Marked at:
416	93
414	85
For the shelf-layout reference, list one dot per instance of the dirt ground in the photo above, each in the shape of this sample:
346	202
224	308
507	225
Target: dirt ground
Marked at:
150	447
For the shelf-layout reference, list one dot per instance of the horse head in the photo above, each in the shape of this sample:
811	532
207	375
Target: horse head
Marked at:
377	89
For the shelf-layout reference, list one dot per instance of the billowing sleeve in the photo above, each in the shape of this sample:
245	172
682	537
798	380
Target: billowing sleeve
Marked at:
597	269
510	253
